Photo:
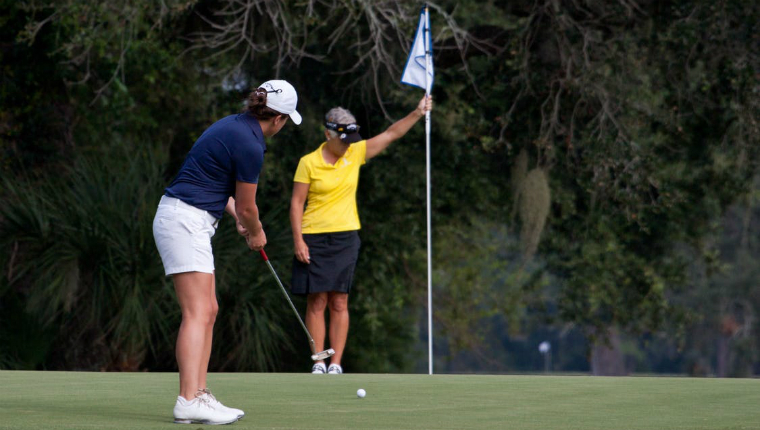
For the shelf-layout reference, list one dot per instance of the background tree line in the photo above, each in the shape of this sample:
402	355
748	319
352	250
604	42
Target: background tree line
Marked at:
595	173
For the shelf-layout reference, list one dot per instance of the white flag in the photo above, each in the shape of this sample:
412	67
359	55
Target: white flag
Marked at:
414	72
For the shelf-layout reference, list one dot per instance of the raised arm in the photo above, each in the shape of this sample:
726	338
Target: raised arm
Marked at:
378	143
248	214
300	191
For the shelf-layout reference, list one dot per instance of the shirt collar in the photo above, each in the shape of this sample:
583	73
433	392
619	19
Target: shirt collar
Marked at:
322	157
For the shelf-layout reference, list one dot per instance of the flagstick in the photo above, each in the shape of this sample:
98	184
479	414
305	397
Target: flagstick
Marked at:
428	61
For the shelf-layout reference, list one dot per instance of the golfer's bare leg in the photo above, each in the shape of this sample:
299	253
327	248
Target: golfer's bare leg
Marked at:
203	371
316	304
193	291
338	303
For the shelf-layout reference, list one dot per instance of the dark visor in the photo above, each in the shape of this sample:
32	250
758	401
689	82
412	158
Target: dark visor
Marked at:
348	133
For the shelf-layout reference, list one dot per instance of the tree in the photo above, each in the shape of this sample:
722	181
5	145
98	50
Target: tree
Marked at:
585	143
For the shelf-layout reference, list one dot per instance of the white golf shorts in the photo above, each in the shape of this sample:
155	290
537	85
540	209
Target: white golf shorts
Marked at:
183	237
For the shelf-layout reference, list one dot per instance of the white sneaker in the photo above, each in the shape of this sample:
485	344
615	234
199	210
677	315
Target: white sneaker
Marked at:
334	369
319	369
217	404
201	411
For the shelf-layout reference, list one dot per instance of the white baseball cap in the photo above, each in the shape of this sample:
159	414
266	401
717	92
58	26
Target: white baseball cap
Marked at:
283	98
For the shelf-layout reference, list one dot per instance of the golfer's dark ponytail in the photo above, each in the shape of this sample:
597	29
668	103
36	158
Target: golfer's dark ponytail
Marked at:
257	105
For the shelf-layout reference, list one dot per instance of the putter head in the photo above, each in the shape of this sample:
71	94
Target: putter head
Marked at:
323	355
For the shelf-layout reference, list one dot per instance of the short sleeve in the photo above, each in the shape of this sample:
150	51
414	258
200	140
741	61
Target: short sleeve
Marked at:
361	151
302	172
247	159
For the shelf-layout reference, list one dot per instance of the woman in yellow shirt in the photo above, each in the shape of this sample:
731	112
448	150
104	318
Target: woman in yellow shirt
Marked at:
326	235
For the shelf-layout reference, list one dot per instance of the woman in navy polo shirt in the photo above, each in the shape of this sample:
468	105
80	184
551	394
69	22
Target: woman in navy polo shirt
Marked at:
220	174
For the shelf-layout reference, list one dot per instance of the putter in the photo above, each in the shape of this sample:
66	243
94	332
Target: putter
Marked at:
316	356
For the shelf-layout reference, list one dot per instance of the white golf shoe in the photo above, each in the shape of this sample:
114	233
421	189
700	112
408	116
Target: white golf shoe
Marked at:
334	369
201	411
217	404
319	369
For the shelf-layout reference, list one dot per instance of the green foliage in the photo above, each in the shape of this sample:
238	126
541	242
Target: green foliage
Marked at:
86	267
643	116
256	327
481	277
84	258
724	301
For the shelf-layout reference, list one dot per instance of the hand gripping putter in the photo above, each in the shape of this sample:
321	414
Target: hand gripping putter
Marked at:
317	356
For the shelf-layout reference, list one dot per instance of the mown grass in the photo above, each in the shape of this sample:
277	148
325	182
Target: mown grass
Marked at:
74	400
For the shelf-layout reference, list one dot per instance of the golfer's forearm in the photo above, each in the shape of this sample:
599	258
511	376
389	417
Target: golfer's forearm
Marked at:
296	217
230	208
249	218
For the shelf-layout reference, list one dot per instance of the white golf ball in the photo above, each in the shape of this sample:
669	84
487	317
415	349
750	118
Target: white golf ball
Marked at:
361	393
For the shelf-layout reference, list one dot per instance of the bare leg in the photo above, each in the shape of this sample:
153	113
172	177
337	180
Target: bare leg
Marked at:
316	304
198	313
338	303
209	336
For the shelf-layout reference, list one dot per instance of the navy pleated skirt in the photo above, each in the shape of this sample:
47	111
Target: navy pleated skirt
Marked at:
332	261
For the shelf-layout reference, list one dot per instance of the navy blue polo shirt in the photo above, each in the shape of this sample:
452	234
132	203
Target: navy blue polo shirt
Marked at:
232	149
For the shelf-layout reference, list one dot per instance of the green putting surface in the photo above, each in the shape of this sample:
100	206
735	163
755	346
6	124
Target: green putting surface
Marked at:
74	400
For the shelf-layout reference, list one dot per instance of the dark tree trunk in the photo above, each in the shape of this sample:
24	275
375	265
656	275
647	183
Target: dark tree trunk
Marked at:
606	357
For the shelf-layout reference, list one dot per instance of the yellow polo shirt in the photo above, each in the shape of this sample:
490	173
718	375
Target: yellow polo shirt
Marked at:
331	201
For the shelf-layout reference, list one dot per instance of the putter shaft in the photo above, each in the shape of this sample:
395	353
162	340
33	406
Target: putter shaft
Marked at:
317	356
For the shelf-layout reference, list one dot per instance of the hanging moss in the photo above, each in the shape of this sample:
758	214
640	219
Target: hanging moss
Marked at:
533	206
